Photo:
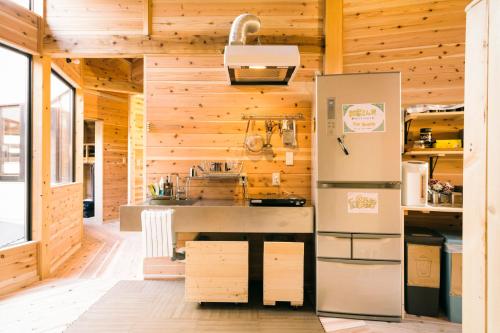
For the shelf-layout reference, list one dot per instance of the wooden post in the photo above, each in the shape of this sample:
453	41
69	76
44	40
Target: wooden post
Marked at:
493	175
41	161
78	160
334	16
481	283
148	17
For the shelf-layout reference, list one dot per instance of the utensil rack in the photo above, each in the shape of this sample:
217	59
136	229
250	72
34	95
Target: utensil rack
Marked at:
234	173
298	116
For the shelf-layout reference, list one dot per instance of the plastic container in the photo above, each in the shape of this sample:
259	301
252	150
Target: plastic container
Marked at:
451	281
422	271
415	183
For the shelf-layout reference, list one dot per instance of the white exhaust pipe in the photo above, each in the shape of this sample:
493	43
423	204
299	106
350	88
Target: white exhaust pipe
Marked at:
243	25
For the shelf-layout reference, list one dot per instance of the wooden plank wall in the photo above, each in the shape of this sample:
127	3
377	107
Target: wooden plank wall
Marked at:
65	233
425	40
18	267
194	115
113	109
93	17
19	27
136	149
74	27
66	211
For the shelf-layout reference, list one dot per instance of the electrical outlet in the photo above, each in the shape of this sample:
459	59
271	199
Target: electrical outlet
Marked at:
289	158
276	179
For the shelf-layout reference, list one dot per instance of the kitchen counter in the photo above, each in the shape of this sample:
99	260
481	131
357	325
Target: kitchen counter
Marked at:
226	216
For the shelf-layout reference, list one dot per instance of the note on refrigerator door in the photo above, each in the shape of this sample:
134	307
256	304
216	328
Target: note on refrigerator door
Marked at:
362	203
363	118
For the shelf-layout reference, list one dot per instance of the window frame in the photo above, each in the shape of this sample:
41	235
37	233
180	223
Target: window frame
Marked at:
73	130
28	145
31	5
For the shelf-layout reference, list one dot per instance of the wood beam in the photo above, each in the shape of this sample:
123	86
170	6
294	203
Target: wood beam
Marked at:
334	16
148	17
71	72
112	75
41	191
135	46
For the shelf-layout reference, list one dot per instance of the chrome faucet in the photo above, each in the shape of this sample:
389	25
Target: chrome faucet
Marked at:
179	193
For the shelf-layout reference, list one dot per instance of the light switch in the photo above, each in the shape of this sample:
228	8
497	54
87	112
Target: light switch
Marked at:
276	179
289	158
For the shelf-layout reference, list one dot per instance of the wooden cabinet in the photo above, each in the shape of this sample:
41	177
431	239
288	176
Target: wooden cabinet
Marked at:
216	271
283	272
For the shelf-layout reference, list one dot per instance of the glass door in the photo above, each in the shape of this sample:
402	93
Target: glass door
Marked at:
14	146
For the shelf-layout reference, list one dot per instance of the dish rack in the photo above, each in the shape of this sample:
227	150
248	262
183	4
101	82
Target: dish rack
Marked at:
220	169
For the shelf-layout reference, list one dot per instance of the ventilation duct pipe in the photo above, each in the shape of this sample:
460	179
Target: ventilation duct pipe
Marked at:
243	25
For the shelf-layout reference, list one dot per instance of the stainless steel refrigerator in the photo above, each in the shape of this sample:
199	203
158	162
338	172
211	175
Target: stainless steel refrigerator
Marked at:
356	180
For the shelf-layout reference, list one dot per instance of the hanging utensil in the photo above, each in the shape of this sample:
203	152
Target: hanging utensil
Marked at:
253	143
269	124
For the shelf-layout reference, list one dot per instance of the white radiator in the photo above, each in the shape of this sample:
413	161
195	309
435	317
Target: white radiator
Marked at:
158	238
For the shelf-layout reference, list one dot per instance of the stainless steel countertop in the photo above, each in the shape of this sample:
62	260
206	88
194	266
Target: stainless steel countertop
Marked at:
206	203
199	203
226	216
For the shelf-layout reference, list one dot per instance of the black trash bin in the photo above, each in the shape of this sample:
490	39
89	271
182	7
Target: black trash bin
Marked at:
422	271
88	208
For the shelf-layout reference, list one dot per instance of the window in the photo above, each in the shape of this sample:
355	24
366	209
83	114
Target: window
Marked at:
25	3
15	83
62	99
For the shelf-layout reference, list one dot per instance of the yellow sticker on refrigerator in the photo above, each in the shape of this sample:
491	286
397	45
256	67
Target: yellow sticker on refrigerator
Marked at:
362	203
363	118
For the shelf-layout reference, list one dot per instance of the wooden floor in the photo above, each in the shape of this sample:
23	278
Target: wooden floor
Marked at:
159	306
107	257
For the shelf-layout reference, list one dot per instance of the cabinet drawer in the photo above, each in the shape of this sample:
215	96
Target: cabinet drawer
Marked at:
378	247
359	210
368	288
333	245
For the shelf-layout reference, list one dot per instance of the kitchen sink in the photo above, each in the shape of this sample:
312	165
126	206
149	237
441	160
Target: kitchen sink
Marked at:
162	202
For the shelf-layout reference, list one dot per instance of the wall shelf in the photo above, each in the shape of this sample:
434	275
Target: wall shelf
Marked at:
217	176
428	119
435	152
434	208
449	116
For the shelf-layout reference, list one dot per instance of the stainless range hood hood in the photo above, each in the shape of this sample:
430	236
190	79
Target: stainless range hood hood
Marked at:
257	64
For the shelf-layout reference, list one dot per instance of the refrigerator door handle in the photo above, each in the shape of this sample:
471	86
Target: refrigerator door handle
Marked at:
334	234
360	261
375	236
340	140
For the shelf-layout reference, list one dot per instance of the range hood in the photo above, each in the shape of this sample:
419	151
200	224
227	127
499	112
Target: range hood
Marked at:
257	64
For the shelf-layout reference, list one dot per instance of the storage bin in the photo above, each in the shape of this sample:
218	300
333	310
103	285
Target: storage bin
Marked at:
283	277
422	271
88	208
451	282
216	271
